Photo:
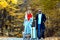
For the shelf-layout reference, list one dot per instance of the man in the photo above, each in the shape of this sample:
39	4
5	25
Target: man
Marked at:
40	20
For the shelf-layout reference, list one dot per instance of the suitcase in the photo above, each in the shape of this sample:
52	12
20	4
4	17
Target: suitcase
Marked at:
33	31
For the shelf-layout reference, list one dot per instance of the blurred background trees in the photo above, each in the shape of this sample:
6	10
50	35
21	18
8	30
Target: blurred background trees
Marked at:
12	15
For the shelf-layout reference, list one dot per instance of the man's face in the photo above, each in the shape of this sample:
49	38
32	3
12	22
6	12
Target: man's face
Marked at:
39	12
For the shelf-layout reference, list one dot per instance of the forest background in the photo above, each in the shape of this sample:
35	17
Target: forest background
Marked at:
12	16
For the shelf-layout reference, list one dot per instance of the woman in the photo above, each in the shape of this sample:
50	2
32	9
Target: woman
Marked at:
28	22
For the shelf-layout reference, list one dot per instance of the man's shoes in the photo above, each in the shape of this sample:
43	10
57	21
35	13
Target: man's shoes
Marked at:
42	38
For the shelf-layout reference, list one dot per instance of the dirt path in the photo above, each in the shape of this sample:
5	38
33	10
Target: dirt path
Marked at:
52	38
14	38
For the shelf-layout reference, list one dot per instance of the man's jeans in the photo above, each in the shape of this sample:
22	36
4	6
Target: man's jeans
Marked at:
40	31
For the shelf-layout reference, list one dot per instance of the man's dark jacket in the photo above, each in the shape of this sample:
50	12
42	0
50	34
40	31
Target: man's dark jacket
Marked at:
43	19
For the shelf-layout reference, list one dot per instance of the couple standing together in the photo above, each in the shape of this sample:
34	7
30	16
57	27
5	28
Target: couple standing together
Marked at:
40	20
